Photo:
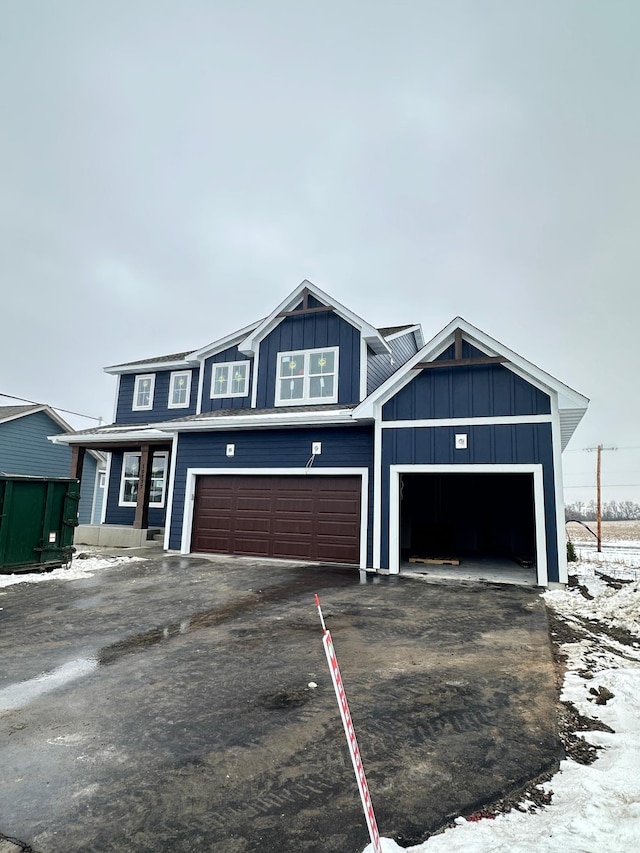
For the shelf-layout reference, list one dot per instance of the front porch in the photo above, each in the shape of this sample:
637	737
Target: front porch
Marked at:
117	535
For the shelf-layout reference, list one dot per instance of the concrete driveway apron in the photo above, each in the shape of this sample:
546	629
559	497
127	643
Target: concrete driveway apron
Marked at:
165	705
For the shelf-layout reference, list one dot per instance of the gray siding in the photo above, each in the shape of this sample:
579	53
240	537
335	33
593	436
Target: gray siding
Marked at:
380	367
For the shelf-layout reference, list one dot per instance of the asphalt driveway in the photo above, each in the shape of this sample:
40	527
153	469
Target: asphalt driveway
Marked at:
164	706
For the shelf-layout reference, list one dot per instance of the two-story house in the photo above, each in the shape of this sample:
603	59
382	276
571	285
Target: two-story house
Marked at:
315	436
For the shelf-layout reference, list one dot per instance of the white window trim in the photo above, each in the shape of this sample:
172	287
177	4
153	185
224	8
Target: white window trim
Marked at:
231	365
174	377
157	505
305	400
139	378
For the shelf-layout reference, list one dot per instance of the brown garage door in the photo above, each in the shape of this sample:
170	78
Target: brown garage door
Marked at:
309	518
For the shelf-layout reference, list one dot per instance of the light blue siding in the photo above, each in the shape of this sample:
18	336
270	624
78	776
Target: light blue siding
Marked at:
25	449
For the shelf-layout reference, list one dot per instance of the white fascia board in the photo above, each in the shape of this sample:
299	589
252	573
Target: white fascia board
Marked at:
431	350
149	366
371	335
112	437
288	419
223	343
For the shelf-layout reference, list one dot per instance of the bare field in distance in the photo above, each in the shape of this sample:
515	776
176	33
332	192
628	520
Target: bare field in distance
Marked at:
612	531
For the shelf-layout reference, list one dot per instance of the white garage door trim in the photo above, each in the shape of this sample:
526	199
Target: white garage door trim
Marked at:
190	491
538	499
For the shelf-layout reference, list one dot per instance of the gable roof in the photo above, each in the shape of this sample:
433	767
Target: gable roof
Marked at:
571	404
13	413
371	335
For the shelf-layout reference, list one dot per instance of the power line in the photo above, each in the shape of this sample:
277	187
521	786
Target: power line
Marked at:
57	408
606	486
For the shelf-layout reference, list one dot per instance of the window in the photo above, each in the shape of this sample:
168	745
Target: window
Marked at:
143	392
180	389
131	476
230	379
308	376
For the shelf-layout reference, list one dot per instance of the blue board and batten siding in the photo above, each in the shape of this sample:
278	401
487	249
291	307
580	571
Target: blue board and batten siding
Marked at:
160	411
470	392
496	444
466	392
342	447
125	515
211	405
26	449
311	331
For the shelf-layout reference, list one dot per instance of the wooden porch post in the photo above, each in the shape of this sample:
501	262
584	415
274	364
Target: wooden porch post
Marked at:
141	521
77	461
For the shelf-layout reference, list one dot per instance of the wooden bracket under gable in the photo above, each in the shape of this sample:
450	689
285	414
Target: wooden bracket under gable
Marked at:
305	307
458	360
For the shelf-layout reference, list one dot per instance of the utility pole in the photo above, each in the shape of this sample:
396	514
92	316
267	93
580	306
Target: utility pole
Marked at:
599	496
599	450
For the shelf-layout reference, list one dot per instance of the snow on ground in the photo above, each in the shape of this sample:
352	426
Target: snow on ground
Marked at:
79	568
594	807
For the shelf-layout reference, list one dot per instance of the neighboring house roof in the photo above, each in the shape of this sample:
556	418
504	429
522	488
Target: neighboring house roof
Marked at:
12	413
8	413
571	404
371	335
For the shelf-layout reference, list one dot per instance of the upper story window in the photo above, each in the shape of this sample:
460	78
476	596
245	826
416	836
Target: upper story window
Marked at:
307	376
230	379
143	392
179	389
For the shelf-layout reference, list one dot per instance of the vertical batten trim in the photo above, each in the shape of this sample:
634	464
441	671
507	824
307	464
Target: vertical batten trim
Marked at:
377	485
170	487
561	531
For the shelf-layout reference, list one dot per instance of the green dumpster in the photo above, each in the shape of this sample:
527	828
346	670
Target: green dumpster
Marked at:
37	520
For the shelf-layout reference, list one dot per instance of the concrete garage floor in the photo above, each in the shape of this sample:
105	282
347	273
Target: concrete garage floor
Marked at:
182	719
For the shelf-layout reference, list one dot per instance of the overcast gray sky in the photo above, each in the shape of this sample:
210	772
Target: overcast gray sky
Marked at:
171	169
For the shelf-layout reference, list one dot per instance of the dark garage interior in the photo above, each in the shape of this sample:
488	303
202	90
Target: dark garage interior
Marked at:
473	516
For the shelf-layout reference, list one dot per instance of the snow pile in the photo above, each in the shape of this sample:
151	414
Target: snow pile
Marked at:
79	568
594	807
619	608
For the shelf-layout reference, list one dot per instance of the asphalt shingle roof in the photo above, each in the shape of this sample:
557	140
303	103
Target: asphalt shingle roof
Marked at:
12	411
